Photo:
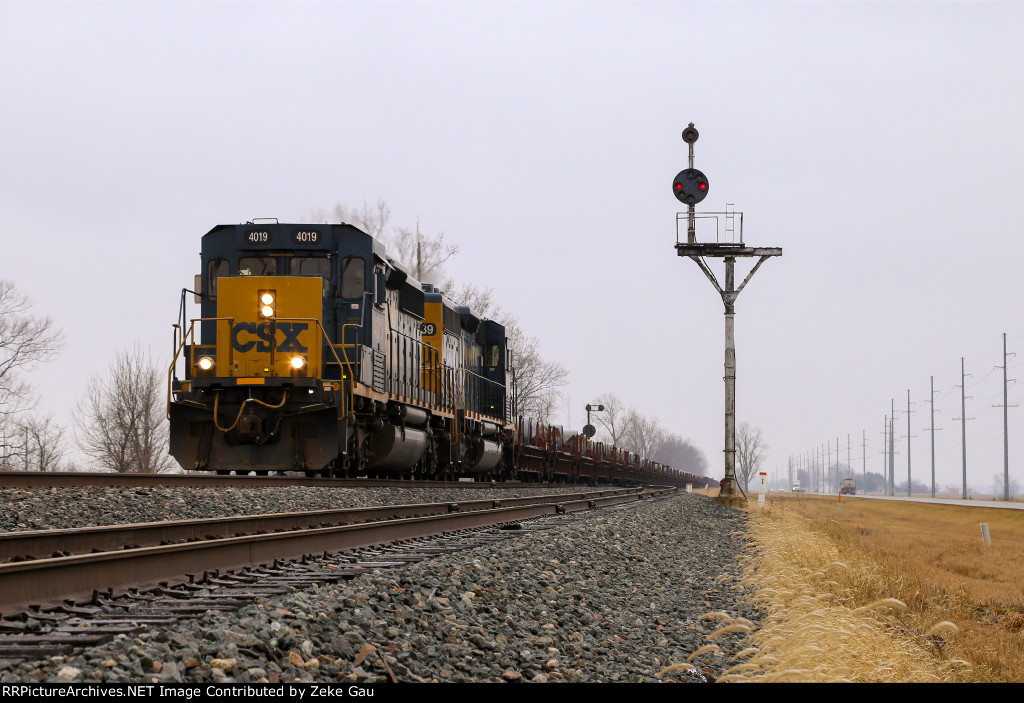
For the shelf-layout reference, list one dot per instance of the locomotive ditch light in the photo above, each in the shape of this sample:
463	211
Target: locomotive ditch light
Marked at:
298	362
206	363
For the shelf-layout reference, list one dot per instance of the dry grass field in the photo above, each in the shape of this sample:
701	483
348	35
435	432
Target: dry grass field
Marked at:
885	591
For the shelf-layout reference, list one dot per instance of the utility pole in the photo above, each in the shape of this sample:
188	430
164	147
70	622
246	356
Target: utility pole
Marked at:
963	420
1006	435
892	449
849	466
908	444
690	186
931	403
885	455
817	469
828	467
864	453
824	469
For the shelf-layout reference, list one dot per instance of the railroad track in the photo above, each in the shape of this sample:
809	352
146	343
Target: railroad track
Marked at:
55	604
44	479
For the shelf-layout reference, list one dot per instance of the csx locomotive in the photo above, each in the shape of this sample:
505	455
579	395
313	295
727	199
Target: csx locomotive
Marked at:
317	352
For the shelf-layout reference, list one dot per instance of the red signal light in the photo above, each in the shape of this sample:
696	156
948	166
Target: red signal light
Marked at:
690	186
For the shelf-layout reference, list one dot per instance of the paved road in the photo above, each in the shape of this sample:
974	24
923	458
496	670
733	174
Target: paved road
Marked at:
947	501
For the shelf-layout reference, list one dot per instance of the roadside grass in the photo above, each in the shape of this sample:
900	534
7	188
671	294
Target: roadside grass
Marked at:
885	591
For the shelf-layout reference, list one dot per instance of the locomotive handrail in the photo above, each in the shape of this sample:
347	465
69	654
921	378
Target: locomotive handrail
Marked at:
478	377
191	332
348	363
330	345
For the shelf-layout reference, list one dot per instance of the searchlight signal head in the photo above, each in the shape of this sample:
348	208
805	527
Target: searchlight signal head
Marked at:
690	186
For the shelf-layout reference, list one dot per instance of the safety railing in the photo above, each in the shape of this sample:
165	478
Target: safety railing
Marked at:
345	409
186	335
480	391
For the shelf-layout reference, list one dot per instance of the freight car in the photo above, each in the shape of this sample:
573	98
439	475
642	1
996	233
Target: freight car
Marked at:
315	351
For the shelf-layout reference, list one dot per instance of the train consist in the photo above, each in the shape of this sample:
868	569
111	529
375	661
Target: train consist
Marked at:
316	352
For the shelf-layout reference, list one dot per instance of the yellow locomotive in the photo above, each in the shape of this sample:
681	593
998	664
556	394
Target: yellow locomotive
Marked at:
318	353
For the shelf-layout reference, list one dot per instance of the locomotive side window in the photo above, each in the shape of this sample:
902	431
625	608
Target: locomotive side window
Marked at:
257	266
311	266
214	270
353	277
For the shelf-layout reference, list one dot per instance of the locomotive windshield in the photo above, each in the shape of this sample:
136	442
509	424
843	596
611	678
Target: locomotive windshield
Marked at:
311	266
257	266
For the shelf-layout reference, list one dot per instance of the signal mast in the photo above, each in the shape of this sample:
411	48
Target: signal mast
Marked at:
691	186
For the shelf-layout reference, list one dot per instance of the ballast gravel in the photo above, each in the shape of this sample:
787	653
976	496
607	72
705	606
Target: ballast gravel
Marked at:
49	509
612	596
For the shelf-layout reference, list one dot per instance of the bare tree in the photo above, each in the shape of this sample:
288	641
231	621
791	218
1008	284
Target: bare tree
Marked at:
44	444
372	220
423	255
25	340
644	434
538	382
750	452
997	485
614	419
121	422
680	453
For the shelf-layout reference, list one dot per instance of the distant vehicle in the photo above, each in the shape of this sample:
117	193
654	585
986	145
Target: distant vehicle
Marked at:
796	486
849	487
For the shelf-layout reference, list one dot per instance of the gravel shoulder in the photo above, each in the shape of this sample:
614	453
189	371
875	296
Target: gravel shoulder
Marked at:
611	597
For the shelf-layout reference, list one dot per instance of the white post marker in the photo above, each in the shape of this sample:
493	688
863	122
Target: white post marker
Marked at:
762	487
689	488
985	535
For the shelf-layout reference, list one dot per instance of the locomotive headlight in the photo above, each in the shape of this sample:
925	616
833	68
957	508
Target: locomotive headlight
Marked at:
206	363
267	304
298	362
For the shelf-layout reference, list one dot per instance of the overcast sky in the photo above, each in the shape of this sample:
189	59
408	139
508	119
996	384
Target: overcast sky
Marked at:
879	144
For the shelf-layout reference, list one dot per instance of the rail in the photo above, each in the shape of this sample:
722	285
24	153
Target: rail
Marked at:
55	580
83	540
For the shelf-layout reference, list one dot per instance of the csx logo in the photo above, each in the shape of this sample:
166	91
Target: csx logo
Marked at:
289	343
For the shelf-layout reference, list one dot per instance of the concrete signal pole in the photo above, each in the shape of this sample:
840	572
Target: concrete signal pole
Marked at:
690	186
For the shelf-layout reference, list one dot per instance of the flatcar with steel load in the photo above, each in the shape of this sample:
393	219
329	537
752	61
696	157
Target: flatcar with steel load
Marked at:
315	351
